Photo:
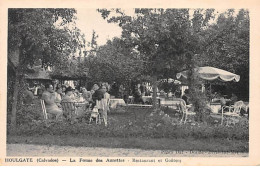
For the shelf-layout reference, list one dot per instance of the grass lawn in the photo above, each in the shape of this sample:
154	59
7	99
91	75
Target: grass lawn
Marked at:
137	129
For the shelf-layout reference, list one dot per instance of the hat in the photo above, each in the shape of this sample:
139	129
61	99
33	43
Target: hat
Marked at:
68	89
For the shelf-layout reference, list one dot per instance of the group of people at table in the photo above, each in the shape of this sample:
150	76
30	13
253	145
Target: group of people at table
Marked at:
98	97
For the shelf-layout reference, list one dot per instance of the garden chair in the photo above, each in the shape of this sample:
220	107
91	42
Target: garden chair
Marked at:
185	109
45	115
232	111
70	110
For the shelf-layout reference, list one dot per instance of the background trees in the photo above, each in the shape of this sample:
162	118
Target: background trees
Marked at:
166	39
226	46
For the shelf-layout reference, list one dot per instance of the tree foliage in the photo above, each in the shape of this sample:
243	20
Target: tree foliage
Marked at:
167	39
42	34
226	46
162	36
46	34
114	62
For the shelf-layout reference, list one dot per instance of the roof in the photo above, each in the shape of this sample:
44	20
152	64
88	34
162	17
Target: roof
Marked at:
39	74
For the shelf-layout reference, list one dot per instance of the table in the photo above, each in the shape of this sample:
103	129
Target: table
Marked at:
173	104
150	99
146	99
116	102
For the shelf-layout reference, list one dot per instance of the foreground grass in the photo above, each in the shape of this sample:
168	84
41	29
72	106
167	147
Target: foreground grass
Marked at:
141	143
136	129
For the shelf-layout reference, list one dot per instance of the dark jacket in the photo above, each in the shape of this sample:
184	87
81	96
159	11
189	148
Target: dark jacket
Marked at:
186	99
98	95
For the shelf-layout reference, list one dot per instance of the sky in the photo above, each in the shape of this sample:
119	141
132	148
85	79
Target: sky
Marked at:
89	20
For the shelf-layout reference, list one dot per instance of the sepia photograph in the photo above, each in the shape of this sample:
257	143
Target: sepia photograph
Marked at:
127	85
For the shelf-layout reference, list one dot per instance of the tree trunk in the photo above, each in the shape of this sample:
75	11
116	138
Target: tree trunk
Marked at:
15	101
16	91
154	82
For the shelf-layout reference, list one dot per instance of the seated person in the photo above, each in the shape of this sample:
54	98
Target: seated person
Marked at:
219	98
49	98
87	95
70	106
27	96
63	90
138	97
68	95
74	95
233	99
58	96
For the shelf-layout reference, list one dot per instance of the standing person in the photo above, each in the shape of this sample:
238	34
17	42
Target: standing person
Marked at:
105	103
49	98
95	87
186	97
97	95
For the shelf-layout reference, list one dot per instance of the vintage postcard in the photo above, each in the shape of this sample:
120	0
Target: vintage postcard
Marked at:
113	83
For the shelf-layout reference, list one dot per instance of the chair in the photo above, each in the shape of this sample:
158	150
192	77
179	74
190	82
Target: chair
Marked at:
185	111
233	110
45	115
69	109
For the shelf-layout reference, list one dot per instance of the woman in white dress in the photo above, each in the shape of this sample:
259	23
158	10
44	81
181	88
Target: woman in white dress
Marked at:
106	101
103	104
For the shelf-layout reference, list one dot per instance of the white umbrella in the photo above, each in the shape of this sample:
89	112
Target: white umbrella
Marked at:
211	73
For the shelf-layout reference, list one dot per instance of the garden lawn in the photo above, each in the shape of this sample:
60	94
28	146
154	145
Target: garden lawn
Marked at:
137	129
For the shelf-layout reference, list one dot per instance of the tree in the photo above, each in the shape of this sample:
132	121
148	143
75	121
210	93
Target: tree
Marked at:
114	62
163	37
226	46
39	34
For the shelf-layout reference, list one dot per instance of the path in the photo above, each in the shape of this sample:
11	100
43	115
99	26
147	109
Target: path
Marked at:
68	151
